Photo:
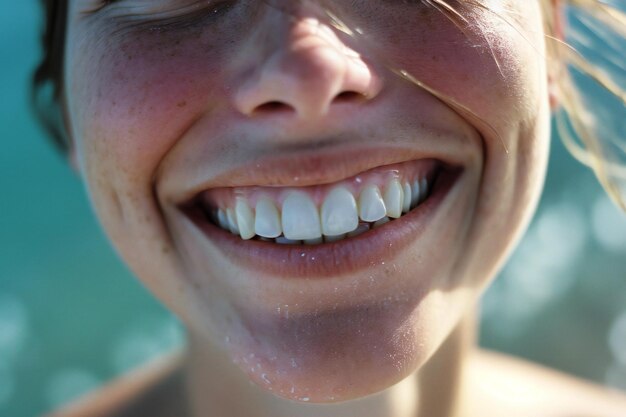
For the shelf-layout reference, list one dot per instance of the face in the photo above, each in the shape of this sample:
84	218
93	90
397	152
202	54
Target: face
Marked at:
187	113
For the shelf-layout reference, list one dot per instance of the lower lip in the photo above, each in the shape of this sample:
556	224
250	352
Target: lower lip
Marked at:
330	260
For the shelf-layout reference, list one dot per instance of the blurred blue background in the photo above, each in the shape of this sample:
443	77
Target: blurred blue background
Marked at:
71	316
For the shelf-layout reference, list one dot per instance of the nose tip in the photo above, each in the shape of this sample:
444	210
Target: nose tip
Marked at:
306	76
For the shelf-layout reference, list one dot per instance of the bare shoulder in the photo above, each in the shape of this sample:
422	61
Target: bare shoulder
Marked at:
504	384
154	389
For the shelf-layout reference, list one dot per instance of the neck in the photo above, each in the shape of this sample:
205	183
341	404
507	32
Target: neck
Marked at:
216	387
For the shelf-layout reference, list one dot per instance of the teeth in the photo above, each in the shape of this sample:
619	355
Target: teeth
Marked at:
339	213
406	205
424	189
245	219
300	218
222	220
415	193
394	199
267	221
371	204
339	217
232	221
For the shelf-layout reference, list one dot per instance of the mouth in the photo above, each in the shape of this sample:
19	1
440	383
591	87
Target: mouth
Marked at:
326	229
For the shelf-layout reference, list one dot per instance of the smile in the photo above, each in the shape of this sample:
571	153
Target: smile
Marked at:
322	213
326	229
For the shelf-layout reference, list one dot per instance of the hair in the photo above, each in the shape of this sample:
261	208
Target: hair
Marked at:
584	134
47	81
579	129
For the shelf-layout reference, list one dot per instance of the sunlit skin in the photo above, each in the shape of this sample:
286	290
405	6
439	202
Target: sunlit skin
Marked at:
157	110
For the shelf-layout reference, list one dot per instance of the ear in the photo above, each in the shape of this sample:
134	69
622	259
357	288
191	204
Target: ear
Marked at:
557	24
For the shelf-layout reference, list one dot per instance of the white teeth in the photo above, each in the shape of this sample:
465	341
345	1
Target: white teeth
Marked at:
394	199
339	213
300	219
339	217
267	221
232	221
406	205
415	193
222	220
371	204
381	222
245	219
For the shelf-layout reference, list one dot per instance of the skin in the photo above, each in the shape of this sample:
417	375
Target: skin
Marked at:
154	108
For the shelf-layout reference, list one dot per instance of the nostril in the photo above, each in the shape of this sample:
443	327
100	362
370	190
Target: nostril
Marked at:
273	107
350	96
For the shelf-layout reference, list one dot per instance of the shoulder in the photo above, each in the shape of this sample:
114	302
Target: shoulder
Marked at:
499	382
153	389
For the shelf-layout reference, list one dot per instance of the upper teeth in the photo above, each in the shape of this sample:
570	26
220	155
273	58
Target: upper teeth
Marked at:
341	213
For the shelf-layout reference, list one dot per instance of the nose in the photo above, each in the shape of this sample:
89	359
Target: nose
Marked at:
308	72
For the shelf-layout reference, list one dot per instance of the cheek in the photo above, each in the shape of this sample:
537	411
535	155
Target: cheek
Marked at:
491	68
132	100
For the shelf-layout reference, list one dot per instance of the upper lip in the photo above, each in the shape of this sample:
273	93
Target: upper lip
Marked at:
316	167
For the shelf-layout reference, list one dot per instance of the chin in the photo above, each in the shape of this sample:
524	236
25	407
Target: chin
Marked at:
343	354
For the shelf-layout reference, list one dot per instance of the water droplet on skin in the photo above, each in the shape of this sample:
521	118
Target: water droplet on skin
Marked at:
265	379
305	399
